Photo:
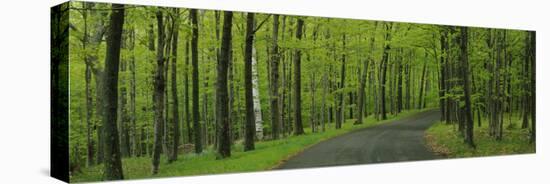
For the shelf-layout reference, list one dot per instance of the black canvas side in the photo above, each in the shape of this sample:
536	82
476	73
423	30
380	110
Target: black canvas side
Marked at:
59	88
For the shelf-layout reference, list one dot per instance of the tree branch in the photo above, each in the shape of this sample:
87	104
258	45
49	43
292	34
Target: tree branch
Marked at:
261	24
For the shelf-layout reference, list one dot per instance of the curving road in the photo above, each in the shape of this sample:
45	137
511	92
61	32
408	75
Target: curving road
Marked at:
399	140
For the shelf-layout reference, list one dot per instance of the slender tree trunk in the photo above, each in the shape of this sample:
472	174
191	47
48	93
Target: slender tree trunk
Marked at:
112	165
258	121
383	68
400	82
122	110
323	106
88	79
186	96
250	128
422	80
224	145
134	138
298	129
175	104
159	95
442	77
340	114
363	79
466	81
312	114
275	110
195	79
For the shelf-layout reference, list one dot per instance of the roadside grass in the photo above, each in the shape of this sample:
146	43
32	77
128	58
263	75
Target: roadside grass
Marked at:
267	155
446	141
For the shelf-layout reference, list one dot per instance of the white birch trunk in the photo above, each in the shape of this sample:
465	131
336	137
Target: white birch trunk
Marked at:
256	97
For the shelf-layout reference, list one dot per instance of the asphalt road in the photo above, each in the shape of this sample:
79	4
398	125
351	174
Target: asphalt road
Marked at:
400	140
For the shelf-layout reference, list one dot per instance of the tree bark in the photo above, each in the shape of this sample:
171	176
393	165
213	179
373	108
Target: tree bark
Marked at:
275	110
195	79
250	127
175	104
298	129
222	110
466	81
112	164
422	80
159	94
340	112
186	96
383	68
442	78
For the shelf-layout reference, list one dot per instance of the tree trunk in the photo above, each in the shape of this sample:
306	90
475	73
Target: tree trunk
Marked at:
112	164
340	118
224	145
323	105
298	128
400	82
442	78
312	114
275	110
363	81
88	79
159	95
466	82
175	104
383	68
122	110
135	138
258	121
422	80
195	78
250	128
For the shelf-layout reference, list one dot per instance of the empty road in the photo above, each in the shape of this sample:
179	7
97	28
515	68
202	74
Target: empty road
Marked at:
399	140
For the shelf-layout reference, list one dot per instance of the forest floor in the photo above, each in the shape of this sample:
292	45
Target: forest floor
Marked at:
446	141
267	155
399	140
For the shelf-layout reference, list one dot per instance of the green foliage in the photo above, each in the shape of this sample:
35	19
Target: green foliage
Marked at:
412	46
445	140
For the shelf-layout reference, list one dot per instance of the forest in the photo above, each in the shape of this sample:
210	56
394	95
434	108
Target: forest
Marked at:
160	91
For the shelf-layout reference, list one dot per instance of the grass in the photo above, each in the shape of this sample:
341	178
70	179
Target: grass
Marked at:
445	140
266	156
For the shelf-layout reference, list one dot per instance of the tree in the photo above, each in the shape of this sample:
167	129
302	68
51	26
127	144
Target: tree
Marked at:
299	128
222	109
186	94
466	82
250	127
136	150
88	78
341	107
363	79
274	88
112	163
195	79
158	96
175	106
383	69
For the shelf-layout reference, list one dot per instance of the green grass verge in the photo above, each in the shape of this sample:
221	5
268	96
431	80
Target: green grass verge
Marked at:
445	140
266	156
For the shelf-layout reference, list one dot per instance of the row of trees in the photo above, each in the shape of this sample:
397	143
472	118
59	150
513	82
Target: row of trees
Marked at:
499	87
275	76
